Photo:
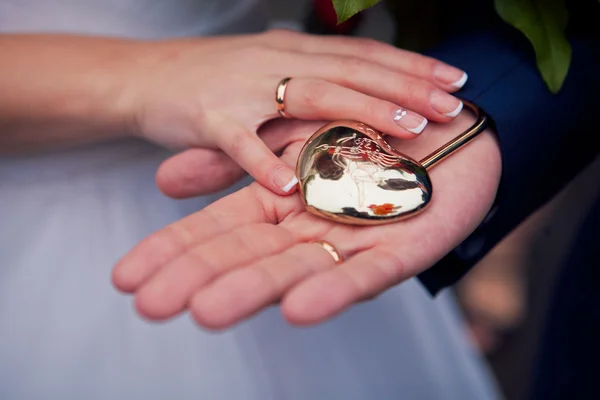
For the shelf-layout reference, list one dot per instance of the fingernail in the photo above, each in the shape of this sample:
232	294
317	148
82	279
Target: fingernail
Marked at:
448	75
445	103
285	183
410	121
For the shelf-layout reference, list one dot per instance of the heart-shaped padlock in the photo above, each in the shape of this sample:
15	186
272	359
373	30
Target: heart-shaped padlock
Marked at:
348	173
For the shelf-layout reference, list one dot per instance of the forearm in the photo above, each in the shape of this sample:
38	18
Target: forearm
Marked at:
63	90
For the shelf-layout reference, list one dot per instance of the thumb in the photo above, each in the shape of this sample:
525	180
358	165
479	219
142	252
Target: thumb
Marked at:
197	172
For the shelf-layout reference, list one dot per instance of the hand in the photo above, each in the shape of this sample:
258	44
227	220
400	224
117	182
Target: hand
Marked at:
216	92
252	249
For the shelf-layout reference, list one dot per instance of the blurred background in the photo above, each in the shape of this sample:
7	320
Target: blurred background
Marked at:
504	298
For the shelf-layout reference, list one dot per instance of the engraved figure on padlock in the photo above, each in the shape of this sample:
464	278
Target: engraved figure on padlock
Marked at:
365	180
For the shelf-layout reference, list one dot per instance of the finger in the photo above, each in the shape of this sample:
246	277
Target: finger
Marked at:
253	155
168	291
199	171
196	172
246	291
329	293
322	100
165	245
369	78
442	74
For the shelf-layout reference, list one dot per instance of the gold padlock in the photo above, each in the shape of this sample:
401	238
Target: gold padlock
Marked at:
349	174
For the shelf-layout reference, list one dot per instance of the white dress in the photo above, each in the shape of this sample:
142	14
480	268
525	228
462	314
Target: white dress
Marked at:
66	217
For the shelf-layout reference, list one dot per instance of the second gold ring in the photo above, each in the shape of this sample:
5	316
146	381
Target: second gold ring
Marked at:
328	247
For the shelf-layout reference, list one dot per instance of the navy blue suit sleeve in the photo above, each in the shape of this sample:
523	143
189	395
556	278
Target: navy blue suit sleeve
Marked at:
545	139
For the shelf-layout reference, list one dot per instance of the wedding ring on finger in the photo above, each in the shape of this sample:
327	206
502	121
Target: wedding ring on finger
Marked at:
328	247
280	97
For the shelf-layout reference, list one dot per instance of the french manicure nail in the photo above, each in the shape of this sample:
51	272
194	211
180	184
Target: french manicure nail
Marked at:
456	111
410	121
461	81
445	103
288	186
284	178
448	75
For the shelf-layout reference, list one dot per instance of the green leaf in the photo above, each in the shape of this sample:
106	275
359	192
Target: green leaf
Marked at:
347	8
544	23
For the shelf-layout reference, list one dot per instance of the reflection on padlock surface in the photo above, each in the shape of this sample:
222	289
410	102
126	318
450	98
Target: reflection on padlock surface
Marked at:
349	173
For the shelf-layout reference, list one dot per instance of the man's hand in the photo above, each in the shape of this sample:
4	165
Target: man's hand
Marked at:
252	248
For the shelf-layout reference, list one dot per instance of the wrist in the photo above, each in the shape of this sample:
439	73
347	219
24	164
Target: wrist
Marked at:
161	98
111	100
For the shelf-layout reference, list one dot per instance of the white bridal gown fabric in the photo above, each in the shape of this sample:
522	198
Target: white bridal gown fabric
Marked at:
66	217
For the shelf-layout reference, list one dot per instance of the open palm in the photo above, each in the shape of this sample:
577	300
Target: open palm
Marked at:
253	248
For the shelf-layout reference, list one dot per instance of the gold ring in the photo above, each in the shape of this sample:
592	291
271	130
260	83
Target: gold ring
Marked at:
330	249
280	97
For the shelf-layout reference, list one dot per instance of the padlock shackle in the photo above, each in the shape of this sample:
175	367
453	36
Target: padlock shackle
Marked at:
483	121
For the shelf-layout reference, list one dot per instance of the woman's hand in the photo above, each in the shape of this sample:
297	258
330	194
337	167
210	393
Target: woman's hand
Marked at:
252	249
211	92
216	92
